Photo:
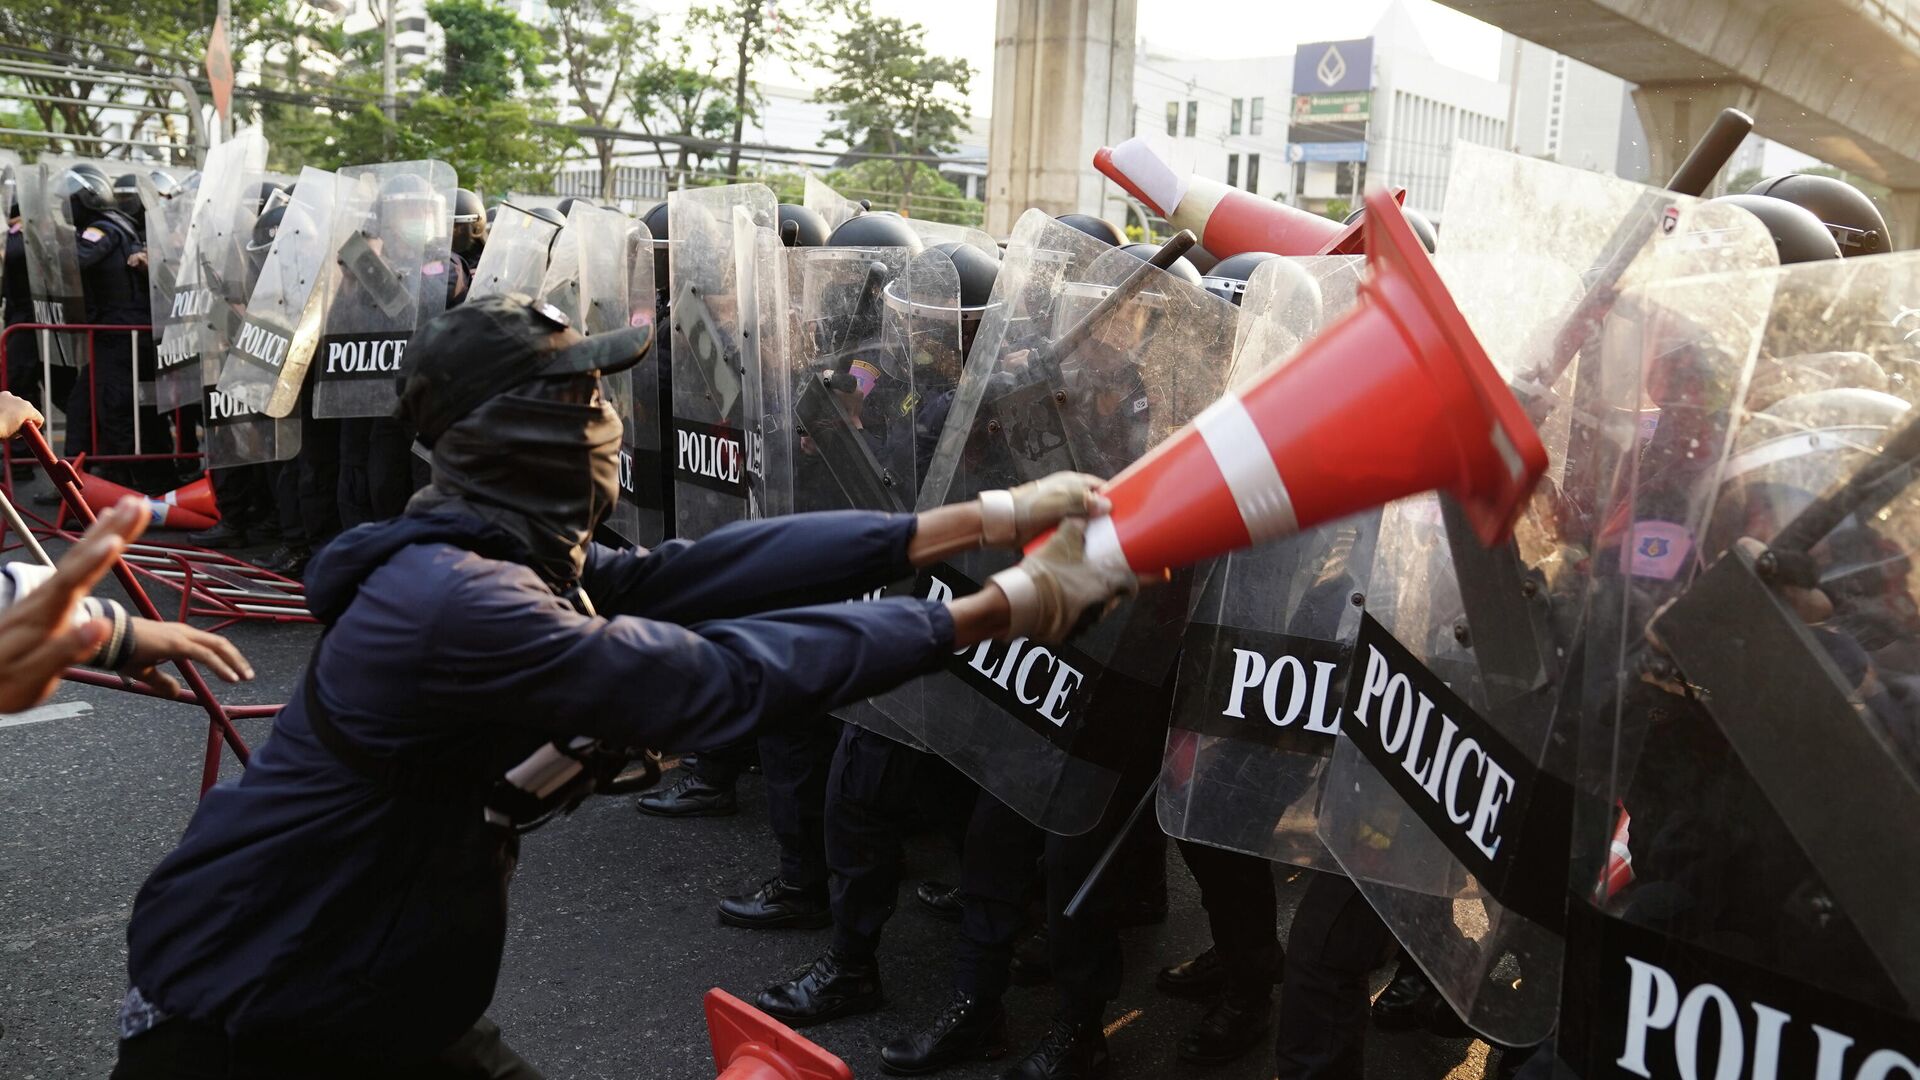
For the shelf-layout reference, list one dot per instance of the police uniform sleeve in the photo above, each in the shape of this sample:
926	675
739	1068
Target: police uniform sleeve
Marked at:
641	682
93	245
755	566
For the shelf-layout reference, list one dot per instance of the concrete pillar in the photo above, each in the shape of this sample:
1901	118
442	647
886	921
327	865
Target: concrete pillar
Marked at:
1902	211
1676	115
1062	88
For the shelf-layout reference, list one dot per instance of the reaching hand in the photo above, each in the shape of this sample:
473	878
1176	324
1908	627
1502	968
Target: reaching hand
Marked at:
1011	518
1053	589
155	643
15	412
39	637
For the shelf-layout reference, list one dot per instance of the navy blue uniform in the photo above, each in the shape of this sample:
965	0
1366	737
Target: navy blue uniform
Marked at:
306	906
116	296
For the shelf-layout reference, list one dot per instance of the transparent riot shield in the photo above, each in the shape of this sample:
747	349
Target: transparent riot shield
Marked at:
1447	796
53	265
1088	358
717	402
169	215
641	474
587	278
828	203
1258	699
267	366
231	261
1745	850
515	261
940	232
212	256
393	238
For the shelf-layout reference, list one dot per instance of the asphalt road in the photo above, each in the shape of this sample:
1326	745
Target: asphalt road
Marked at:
614	938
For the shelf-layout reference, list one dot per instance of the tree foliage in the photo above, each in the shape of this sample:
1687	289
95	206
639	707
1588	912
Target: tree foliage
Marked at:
677	92
745	34
918	190
890	95
599	42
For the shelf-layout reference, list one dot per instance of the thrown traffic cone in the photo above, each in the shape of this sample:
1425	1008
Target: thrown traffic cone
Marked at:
196	497
750	1045
100	495
1228	221
1395	398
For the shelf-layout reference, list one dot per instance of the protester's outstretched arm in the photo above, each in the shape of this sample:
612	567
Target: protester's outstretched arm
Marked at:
49	623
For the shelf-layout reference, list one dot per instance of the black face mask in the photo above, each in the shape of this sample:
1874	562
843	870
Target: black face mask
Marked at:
542	462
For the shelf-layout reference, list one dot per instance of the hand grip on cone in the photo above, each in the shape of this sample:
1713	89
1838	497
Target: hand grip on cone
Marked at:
1228	221
750	1045
1395	398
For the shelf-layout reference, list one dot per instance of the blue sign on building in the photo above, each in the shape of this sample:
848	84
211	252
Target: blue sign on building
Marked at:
1327	67
1326	151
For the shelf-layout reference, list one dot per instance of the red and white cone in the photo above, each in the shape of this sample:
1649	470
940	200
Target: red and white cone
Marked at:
1228	221
750	1045
100	495
196	497
1395	398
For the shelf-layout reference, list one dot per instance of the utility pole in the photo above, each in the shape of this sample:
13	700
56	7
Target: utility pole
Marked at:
388	105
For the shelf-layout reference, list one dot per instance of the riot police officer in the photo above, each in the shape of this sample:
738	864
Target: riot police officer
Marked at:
24	369
101	408
1856	224
469	227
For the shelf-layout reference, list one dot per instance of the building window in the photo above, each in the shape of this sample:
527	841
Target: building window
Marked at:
1233	170
1233	124
1173	118
1255	114
1193	118
413	24
1253	173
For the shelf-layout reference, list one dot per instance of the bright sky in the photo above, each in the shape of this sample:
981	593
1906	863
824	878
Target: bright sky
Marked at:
1211	29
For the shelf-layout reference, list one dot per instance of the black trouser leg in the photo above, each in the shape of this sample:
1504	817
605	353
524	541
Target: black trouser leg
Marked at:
871	791
1336	941
317	481
1237	891
390	468
355	500
996	877
796	759
1085	949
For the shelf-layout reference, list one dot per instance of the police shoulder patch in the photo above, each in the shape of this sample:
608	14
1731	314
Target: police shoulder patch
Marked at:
1140	403
93	234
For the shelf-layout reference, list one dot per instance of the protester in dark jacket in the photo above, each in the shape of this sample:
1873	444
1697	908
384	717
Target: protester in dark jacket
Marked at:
341	910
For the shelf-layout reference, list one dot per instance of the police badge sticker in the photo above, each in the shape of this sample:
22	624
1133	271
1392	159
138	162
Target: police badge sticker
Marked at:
1669	220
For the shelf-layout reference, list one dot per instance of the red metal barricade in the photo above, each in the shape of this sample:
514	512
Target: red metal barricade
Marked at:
220	717
212	585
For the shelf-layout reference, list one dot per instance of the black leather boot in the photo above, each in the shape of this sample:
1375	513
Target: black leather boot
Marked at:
1197	979
1410	1003
223	535
778	905
1032	963
1236	1024
966	1030
940	898
827	989
689	796
1068	1051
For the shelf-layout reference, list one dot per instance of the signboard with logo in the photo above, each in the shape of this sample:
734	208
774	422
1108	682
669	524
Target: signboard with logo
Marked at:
1327	67
1346	107
1326	151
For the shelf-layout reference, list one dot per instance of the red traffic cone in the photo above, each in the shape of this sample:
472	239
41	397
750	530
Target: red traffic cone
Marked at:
100	495
1395	398
1228	221
750	1045
196	497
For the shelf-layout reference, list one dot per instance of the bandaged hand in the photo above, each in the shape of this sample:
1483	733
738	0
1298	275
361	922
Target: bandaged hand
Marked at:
1010	518
1052	590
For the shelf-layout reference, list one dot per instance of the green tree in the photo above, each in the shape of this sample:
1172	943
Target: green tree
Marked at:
599	43
747	33
884	183
889	95
1744	179
671	94
488	51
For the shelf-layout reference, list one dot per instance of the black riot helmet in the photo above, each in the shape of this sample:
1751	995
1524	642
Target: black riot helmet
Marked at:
1799	236
978	271
565	206
126	195
1421	226
549	214
470	220
655	219
265	228
1846	211
88	193
1228	278
266	194
875	230
1181	268
1099	228
808	229
491	212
